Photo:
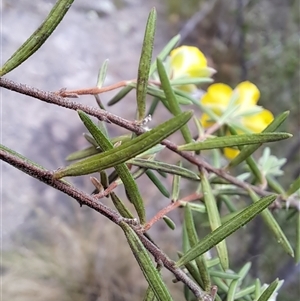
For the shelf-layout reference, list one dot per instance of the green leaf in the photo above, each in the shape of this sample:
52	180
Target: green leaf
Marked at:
84	153
120	95
244	292
257	289
144	65
274	227
149	296
165	52
153	106
150	272
224	275
93	150
214	219
164	167
126	151
38	38
249	150
193	270
157	183
235	140
233	287
169	222
102	74
226	229
250	162
297	251
176	185
265	296
130	185
171	98
152	151
193	239
156	92
190	80
295	186
122	209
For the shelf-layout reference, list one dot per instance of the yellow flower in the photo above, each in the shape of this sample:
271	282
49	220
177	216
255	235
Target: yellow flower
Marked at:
248	116
189	61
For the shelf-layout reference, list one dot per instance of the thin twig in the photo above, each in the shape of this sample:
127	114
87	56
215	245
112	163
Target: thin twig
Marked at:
93	90
159	215
90	201
133	126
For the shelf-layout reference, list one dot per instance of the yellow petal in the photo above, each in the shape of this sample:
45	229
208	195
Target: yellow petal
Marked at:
248	94
230	153
187	60
258	122
217	96
205	121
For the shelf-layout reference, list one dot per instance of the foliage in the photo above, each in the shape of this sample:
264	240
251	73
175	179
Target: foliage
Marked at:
226	120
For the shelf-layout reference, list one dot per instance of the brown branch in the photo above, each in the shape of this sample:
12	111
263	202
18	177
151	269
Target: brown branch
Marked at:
53	98
93	90
92	202
158	216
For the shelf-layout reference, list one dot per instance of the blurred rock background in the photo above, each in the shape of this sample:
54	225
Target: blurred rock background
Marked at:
52	250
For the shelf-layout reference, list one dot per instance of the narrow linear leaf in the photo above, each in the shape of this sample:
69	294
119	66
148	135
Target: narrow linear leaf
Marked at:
104	179
193	239
214	218
90	140
122	209
127	150
156	92
171	98
38	38
149	296
275	185
165	52
274	227
223	275
84	153
294	187
190	80
249	150
185	240
176	185
102	74
130	185
152	151
193	270
232	289
243	293
257	289
226	229
250	162
142	257
265	296
235	140
93	150
120	95
169	222
244	270
153	106
297	251
164	167
222	286
157	183
144	65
